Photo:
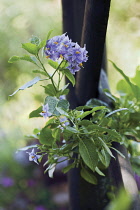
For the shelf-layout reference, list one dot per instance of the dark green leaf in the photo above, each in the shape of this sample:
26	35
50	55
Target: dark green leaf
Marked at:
67	168
106	147
112	132
56	134
31	48
50	90
83	115
118	152
88	153
99	171
36	113
71	129
64	104
27	85
85	123
96	102
45	136
89	177
104	157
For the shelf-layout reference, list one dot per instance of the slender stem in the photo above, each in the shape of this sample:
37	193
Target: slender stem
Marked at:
57	68
50	77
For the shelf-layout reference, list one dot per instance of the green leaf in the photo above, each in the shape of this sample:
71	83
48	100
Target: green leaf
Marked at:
85	123
71	129
50	121
13	59
36	113
25	57
99	171
48	35
27	85
70	76
52	103
104	157
106	147
42	44
62	111
135	89
83	115
31	48
87	150
64	104
136	78
123	88
115	111
110	96
45	136
56	134
53	64
89	177
96	102
118	152
40	72
94	127
50	90
67	168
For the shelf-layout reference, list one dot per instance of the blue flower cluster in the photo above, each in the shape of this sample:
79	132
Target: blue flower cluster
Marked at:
62	47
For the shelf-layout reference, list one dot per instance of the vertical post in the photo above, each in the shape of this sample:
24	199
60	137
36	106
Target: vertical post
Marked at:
93	35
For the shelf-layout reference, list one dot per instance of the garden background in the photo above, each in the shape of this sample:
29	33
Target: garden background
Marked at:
23	183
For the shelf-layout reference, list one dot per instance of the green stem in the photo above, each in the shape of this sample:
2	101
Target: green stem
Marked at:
57	68
50	77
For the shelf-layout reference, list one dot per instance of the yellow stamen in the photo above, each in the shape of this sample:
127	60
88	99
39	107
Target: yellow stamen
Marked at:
61	56
47	56
43	112
65	45
77	52
32	156
80	64
55	42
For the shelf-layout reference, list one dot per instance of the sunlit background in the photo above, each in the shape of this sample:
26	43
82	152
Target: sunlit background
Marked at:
22	184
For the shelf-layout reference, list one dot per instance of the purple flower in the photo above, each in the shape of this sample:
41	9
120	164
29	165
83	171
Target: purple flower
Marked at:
45	113
33	156
56	46
6	181
62	97
62	47
73	68
64	122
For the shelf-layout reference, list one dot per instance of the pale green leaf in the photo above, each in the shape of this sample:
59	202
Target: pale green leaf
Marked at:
31	48
27	85
70	76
